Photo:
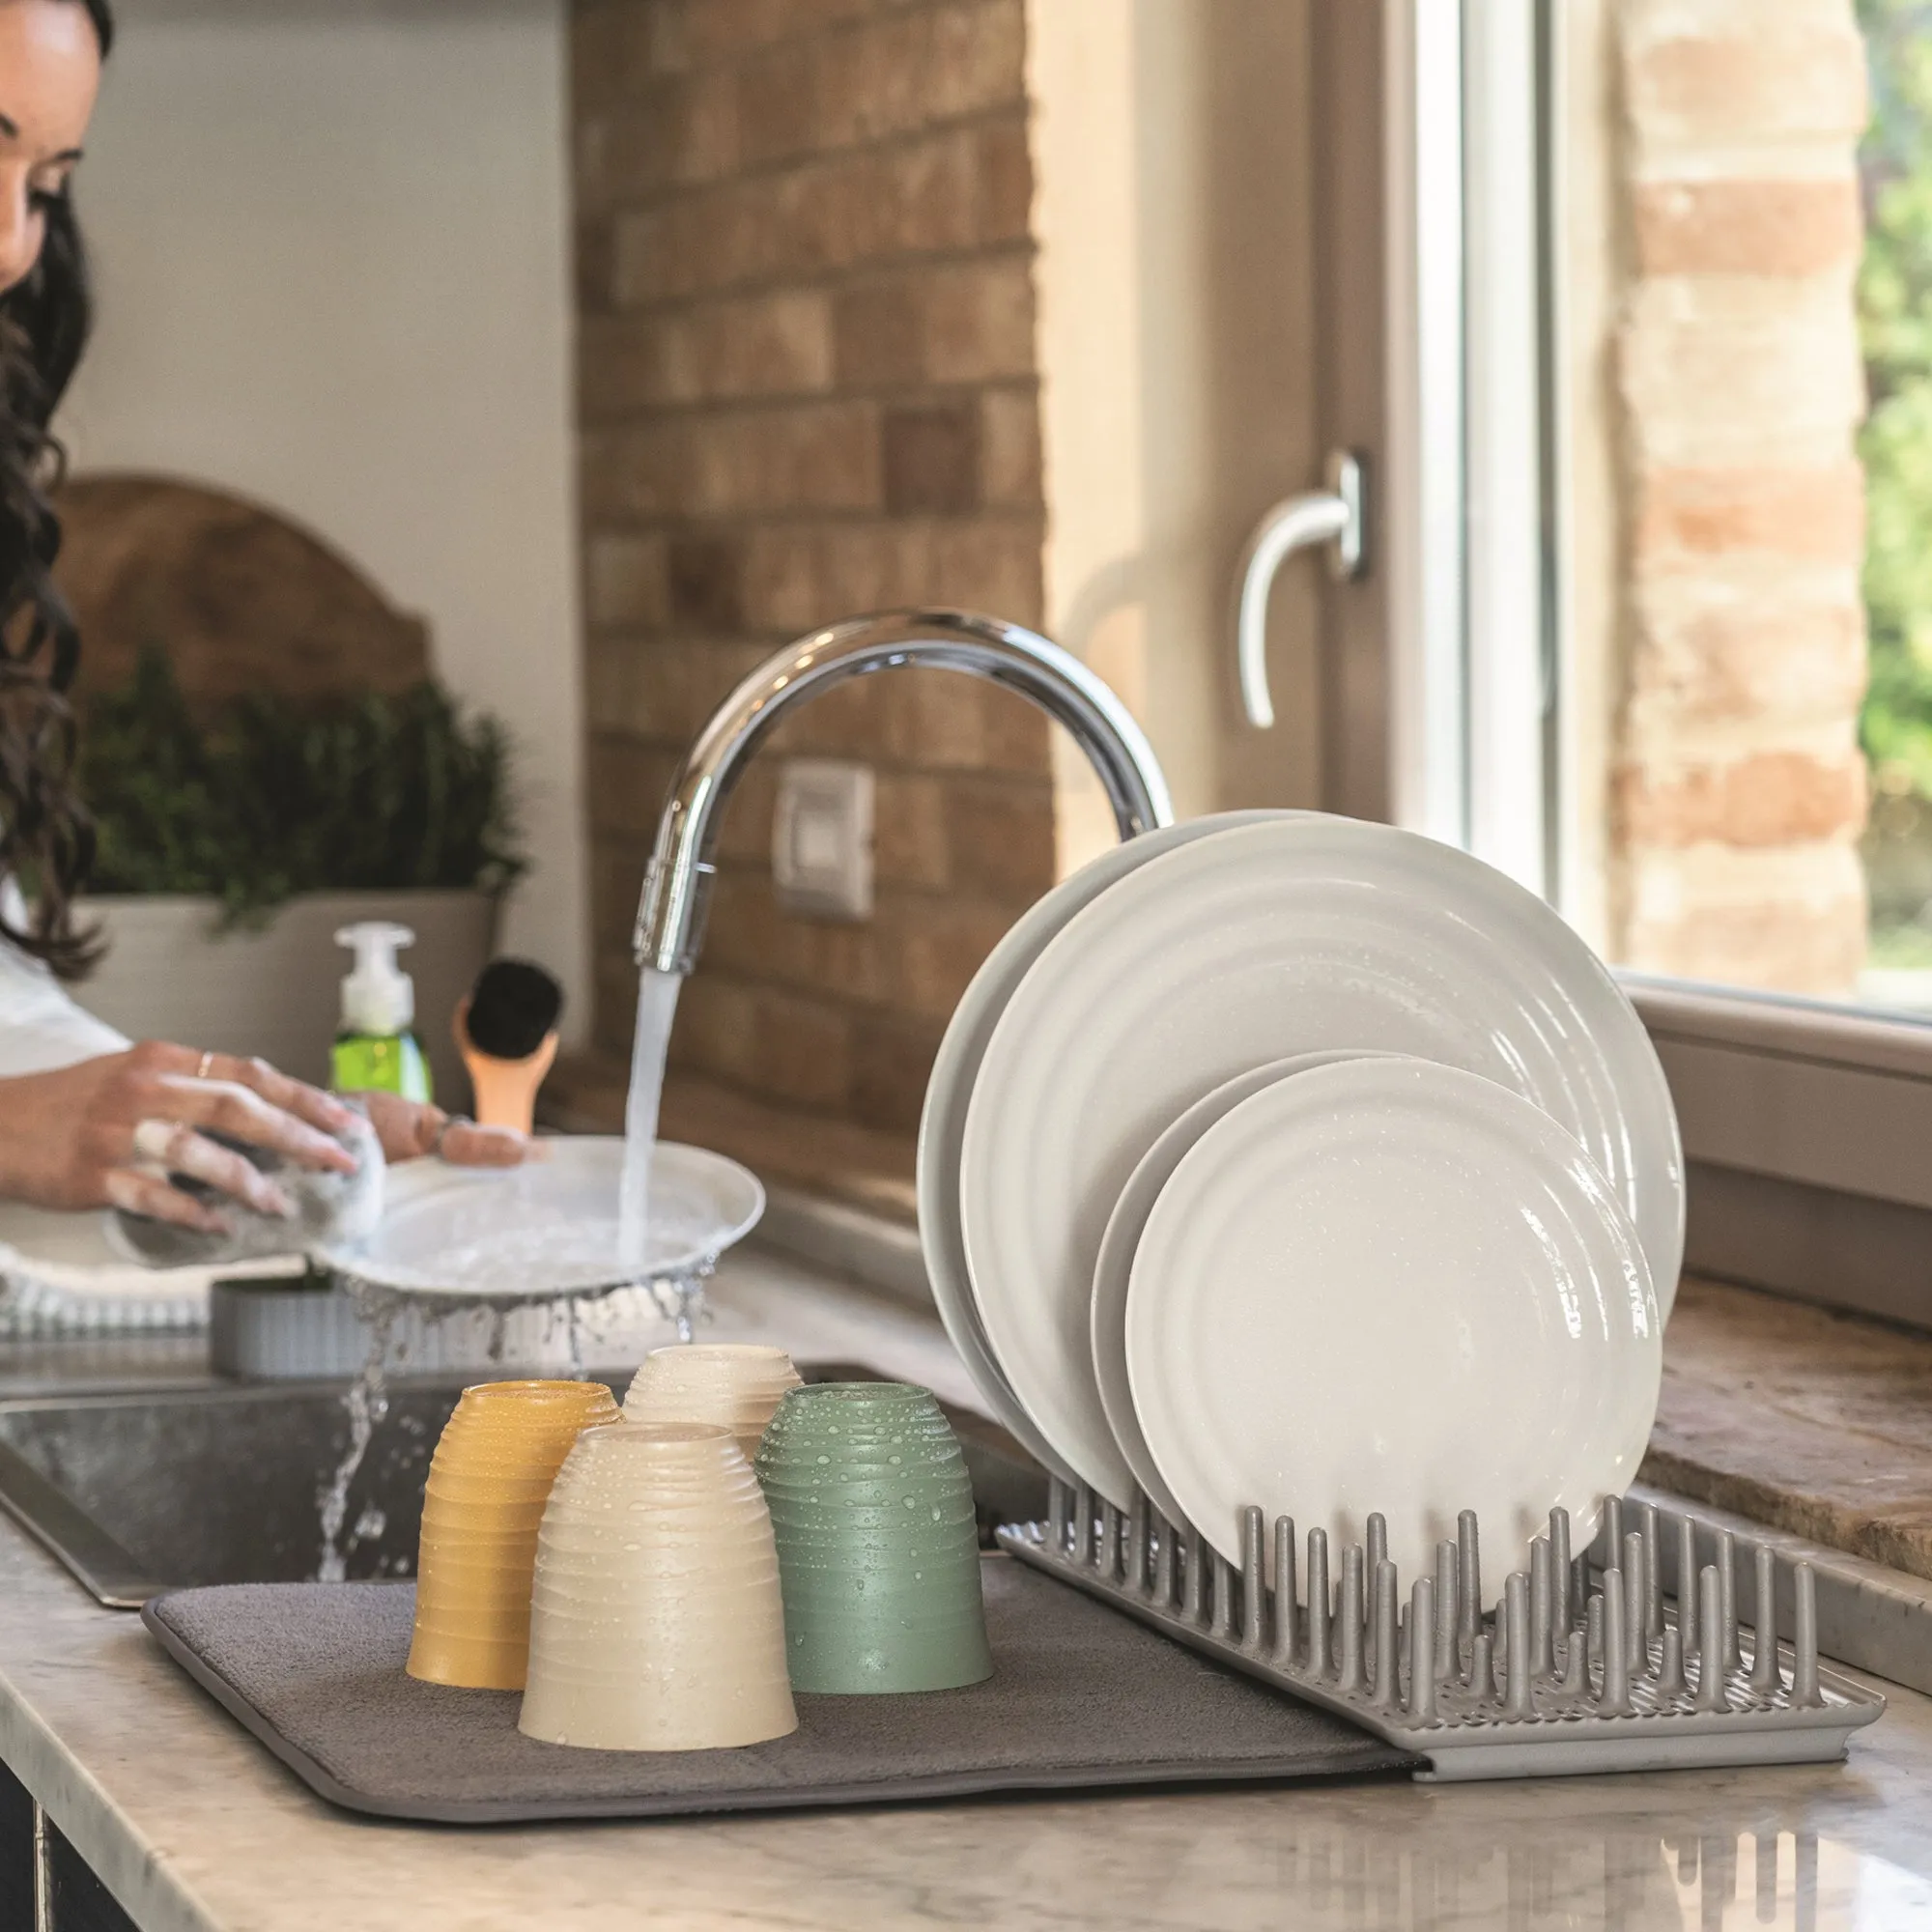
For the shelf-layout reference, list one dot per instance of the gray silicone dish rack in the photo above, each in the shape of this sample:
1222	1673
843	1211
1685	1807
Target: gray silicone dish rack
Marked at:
1559	1677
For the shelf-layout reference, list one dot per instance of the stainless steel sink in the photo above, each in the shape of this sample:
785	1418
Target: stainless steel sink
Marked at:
140	1494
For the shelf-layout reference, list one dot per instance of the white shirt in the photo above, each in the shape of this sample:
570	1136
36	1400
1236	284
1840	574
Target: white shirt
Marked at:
40	1028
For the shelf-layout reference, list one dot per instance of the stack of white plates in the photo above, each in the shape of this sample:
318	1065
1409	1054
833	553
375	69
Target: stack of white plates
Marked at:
1283	1159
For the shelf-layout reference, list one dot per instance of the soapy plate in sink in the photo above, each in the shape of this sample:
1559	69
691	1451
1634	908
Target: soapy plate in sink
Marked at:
548	1228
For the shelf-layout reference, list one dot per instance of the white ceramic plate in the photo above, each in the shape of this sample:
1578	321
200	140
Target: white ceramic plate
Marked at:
550	1226
1114	1267
942	1124
1247	945
1387	1285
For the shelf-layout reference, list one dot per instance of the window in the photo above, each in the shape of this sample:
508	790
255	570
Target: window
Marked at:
1739	245
1665	652
1595	290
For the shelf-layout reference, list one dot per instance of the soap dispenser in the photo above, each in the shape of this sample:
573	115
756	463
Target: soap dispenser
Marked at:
375	1047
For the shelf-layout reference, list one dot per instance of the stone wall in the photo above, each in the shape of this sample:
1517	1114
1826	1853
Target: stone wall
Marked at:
1738	786
808	389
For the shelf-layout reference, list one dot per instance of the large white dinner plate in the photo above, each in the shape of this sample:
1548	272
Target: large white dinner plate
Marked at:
1114	1267
1248	945
1387	1285
942	1124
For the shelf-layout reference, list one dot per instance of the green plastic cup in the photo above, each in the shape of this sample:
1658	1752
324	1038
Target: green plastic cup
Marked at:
878	1550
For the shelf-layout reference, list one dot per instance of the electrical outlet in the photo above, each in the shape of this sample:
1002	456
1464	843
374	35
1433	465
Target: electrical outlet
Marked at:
822	838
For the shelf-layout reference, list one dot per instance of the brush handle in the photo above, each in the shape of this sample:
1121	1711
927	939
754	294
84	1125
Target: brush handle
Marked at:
506	1090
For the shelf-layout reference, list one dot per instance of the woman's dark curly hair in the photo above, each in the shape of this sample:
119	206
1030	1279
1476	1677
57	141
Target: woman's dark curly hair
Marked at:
46	839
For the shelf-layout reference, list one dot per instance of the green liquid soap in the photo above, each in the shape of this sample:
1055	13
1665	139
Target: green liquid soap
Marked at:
362	1062
376	1049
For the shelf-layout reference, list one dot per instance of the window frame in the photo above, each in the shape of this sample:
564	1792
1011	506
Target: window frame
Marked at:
1801	1119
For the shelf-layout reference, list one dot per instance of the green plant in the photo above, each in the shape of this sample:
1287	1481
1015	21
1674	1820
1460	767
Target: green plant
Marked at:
1895	295
268	800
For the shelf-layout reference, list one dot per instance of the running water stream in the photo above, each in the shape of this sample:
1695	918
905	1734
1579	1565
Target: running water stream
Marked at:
384	1311
656	1007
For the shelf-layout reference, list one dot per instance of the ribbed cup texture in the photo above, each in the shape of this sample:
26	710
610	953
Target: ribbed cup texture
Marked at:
736	1384
656	1622
873	1509
489	1481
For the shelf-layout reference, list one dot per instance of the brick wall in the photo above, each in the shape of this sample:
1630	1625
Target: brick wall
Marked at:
808	389
1738	788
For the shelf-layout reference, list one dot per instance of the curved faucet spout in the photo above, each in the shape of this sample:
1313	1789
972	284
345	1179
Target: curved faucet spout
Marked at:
670	914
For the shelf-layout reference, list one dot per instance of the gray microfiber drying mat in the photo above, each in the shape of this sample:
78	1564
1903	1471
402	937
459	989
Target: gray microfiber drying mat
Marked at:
1080	1698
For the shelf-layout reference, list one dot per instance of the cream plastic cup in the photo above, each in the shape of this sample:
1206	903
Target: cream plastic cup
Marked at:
656	1619
736	1384
482	1508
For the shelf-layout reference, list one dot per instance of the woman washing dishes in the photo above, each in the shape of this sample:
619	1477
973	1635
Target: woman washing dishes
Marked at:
88	1120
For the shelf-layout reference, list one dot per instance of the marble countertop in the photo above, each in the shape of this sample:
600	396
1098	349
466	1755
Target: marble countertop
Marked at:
196	1829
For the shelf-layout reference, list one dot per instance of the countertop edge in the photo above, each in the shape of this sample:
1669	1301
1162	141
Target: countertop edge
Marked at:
129	1864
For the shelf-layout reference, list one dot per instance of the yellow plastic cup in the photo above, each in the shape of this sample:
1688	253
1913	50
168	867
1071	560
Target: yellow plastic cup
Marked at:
489	1480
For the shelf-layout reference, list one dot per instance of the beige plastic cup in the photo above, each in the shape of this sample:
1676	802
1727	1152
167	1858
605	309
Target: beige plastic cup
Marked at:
656	1620
483	1504
737	1383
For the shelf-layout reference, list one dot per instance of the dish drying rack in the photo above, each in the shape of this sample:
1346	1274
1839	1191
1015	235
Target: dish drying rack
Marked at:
1558	1678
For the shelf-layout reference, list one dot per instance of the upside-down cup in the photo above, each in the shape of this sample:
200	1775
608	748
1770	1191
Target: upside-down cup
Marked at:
736	1384
878	1548
656	1622
489	1481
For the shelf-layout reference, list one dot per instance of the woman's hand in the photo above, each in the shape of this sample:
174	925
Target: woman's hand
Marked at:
408	1130
106	1132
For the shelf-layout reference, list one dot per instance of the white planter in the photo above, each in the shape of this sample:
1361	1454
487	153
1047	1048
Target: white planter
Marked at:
169	975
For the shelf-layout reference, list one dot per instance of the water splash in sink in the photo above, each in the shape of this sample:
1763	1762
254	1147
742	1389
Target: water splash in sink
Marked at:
367	1402
577	1321
501	1262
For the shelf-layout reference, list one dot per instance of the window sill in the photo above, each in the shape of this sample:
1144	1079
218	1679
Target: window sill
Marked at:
1807	1420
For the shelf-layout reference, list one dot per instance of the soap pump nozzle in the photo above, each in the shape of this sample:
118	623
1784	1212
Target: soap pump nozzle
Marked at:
378	997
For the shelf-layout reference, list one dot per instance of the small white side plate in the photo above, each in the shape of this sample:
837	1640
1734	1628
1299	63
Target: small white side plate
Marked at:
1115	1266
1387	1285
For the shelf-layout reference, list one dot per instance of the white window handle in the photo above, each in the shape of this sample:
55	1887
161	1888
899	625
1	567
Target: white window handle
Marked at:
1333	517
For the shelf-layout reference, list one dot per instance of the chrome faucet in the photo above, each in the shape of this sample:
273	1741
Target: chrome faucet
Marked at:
670	913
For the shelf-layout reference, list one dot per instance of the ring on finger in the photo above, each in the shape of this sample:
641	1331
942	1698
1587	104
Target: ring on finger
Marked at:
157	1140
203	1065
448	1121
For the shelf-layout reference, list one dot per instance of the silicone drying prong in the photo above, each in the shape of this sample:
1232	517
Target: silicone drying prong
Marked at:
1284	1592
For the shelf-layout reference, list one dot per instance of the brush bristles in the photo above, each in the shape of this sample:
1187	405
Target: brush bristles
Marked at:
514	1007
